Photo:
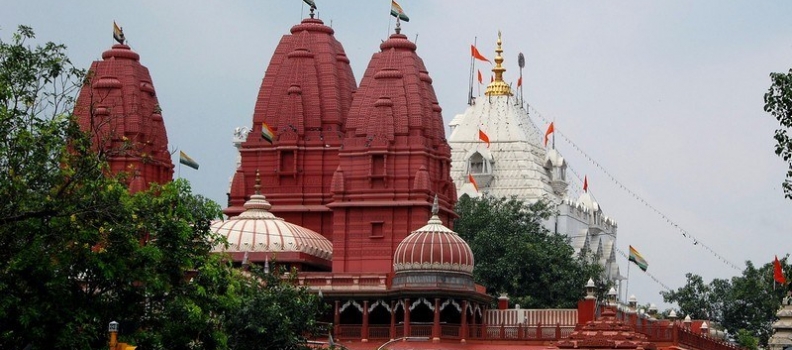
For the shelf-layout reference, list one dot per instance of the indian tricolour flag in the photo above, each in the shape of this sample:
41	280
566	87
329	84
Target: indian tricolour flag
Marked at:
267	133
636	257
396	11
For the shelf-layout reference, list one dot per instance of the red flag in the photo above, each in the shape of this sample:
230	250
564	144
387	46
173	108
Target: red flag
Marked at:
778	274
550	130
479	77
483	137
519	82
585	183
477	55
473	181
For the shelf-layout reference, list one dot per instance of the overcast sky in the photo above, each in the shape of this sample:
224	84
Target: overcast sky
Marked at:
667	96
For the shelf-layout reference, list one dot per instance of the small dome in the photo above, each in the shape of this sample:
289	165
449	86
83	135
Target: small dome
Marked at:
554	158
256	230
588	202
433	248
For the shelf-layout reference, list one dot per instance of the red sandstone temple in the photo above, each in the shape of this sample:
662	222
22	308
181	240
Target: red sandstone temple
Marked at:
354	193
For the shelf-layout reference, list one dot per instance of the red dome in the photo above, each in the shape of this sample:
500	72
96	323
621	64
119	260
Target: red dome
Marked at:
433	248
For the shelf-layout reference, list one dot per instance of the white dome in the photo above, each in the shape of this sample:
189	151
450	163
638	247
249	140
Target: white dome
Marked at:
588	202
256	230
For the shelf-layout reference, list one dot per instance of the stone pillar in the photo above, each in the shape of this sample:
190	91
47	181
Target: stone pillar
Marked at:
503	301
337	318
463	331
393	320
406	317
436	323
364	329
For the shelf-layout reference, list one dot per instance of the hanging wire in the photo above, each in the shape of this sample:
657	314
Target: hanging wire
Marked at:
685	233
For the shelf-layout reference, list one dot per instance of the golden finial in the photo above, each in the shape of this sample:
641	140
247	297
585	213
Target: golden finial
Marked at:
498	87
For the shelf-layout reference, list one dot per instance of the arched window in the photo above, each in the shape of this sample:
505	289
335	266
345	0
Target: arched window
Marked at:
477	164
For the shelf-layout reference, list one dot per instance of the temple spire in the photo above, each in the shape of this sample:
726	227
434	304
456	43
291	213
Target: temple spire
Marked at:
498	87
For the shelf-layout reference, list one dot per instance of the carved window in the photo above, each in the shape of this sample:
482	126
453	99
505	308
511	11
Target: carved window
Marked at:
288	162
377	229
477	164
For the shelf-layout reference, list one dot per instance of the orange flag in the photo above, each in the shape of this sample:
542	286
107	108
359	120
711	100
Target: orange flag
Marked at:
585	183
477	55
519	82
550	130
492	78
778	274
473	181
483	137
479	77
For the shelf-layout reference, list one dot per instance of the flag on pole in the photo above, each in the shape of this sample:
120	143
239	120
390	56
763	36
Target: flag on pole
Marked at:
186	160
396	11
477	55
636	257
778	273
310	3
267	133
118	33
473	181
479	77
585	183
519	82
483	137
550	130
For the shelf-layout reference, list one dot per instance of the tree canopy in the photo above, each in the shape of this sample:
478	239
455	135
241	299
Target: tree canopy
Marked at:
80	251
515	254
778	102
744	305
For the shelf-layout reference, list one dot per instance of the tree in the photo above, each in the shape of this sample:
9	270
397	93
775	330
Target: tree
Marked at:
745	304
778	102
515	254
80	251
275	314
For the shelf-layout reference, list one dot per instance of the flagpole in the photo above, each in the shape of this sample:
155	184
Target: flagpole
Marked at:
472	69
627	289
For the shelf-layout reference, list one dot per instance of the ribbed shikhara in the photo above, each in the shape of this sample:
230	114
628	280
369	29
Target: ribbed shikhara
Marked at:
433	248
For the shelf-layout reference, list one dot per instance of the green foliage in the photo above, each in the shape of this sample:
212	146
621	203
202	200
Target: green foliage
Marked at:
746	340
274	315
778	102
515	254
80	251
747	302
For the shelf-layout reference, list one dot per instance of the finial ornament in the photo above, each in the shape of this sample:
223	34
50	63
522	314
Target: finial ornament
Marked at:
498	87
435	206
258	182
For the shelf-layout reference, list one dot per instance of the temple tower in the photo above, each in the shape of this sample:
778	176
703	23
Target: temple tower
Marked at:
118	106
394	159
304	99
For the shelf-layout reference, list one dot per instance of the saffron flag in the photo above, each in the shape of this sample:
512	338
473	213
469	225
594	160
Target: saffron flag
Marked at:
479	77
585	183
267	133
483	137
519	82
186	160
550	130
118	33
477	55
310	3
396	11
473	181
636	257
778	274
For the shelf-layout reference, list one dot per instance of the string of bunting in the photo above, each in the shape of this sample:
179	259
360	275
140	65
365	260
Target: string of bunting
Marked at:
685	233
645	272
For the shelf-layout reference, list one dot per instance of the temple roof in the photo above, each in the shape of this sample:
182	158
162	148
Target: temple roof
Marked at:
119	107
257	230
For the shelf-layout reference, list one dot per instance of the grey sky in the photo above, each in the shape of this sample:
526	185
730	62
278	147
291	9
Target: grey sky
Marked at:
665	95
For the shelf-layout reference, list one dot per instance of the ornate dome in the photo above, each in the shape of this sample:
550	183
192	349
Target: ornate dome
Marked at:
588	202
433	248
260	235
